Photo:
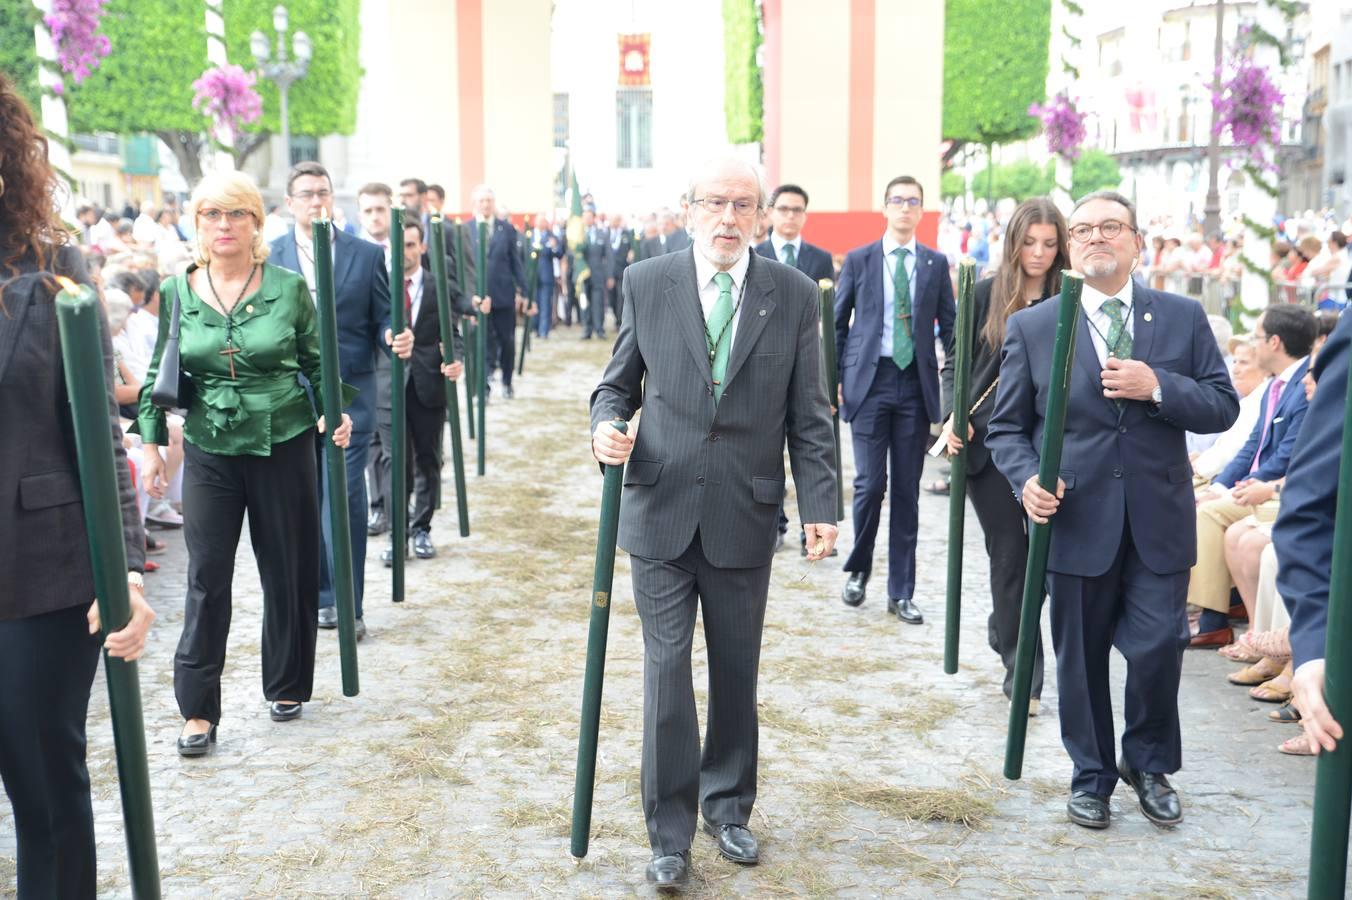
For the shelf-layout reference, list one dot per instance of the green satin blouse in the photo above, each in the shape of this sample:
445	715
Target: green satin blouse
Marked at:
276	331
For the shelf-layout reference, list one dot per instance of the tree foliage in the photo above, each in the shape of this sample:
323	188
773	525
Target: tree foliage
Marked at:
743	100
951	185
18	53
1093	171
1019	180
325	100
995	67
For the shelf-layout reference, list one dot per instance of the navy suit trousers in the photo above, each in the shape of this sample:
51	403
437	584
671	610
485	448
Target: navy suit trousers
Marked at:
1144	615
356	510
891	426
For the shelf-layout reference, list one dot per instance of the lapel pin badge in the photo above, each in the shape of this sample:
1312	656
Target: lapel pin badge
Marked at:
762	312
249	309
1149	317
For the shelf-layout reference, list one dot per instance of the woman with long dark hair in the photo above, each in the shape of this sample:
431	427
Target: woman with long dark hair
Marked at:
1035	251
48	647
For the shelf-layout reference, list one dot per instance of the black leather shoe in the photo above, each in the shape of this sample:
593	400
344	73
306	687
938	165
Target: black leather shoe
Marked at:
508	392
284	712
1159	801
361	629
196	744
735	842
378	523
328	617
387	557
669	872
1089	810
422	545
906	610
853	594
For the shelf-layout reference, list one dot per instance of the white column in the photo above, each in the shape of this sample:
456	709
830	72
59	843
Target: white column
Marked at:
54	110
223	161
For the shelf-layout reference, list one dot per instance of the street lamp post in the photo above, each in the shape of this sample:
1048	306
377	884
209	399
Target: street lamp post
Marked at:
282	71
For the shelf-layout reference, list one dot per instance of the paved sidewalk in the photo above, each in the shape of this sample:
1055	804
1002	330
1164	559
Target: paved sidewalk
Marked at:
452	773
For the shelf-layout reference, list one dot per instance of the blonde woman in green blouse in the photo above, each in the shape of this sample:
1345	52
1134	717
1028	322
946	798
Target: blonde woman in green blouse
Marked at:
247	331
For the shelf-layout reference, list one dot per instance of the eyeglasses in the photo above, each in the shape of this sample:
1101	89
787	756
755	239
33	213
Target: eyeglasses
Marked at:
236	216
912	202
307	196
790	210
716	205
1110	229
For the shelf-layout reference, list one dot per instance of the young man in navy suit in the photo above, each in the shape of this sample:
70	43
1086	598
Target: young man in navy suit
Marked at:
788	214
505	280
362	299
1282	341
1146	371
890	294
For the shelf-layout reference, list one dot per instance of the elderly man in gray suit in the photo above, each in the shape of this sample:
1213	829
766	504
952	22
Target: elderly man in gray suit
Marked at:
719	347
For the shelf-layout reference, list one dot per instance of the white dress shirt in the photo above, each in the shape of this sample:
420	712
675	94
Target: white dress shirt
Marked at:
890	258
708	290
779	244
415	292
1092	300
384	245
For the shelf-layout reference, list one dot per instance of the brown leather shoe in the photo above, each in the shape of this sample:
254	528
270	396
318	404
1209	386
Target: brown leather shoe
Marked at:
1238	613
1218	638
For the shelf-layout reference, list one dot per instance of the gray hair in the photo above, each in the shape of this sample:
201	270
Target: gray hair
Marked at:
722	163
481	190
1222	331
119	307
1111	197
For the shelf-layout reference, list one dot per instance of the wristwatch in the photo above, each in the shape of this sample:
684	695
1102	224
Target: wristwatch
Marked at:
1155	396
135	578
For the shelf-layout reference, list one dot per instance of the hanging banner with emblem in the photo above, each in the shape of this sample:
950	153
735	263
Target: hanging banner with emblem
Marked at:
635	60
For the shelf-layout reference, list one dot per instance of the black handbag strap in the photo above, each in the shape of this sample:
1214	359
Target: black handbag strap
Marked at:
176	313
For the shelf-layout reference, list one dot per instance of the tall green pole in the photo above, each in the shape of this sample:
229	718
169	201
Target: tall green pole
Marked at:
532	264
828	296
1040	537
468	377
340	526
444	315
398	412
80	318
481	347
603	576
1333	774
957	488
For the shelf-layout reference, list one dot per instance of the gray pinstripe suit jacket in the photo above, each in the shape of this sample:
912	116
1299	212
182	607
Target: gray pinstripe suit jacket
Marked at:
718	467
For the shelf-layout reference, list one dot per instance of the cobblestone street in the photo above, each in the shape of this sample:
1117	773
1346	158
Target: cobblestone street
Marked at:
451	774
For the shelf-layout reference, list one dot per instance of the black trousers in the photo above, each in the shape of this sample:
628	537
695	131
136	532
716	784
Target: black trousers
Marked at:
501	342
279	495
377	456
47	665
1006	531
1144	615
677	779
422	456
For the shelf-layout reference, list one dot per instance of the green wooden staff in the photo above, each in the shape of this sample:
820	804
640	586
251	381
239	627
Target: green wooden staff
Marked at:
468	377
398	412
602	579
444	314
1040	537
828	293
481	346
79	317
1333	775
340	526
957	485
532	265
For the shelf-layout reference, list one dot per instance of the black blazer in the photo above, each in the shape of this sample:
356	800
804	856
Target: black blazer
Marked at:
985	370
424	367
506	277
42	529
812	261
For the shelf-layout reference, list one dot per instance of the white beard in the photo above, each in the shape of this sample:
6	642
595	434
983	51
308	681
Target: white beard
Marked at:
716	256
1101	269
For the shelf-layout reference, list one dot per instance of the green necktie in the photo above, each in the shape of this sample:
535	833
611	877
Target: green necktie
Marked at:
903	345
718	333
1119	339
790	255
